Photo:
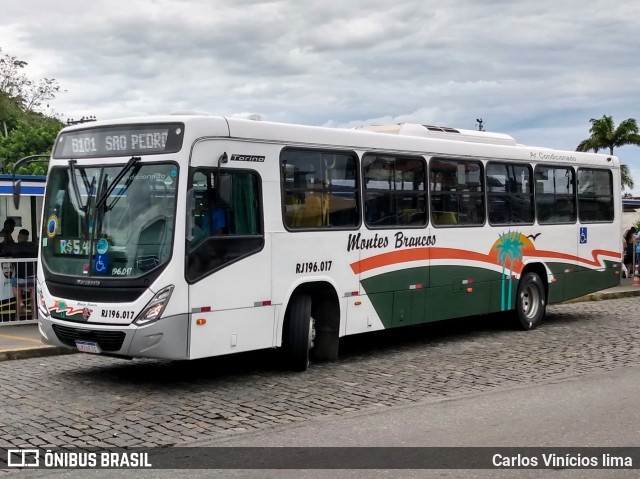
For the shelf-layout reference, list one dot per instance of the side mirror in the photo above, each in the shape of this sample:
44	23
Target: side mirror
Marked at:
225	190
16	193
21	162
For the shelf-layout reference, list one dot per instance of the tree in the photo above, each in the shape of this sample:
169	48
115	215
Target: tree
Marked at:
605	134
18	87
625	177
28	138
24	130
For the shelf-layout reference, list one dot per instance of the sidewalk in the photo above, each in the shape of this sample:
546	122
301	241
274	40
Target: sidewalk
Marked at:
624	290
21	341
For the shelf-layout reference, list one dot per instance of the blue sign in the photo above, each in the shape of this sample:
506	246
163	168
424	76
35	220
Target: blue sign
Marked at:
100	264
583	234
102	246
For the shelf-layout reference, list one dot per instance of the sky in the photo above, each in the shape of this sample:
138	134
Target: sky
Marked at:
537	71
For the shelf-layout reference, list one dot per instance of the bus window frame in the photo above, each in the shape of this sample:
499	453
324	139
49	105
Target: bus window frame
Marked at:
221	238
575	193
394	192
530	167
611	197
357	190
482	195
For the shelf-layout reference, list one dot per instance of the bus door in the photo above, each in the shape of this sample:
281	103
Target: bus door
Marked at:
395	246
556	213
460	285
594	240
227	256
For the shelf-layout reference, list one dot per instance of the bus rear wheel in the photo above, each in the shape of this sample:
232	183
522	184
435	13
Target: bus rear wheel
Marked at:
530	301
300	333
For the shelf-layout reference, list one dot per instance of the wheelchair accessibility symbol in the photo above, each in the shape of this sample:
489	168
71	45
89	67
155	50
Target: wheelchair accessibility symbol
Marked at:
583	235
100	264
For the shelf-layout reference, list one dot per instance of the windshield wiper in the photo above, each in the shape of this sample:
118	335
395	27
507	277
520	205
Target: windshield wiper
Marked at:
105	193
74	184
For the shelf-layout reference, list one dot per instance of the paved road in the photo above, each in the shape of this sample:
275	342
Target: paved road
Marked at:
580	411
382	385
87	400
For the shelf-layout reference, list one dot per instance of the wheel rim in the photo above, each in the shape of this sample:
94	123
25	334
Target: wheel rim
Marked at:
312	333
530	302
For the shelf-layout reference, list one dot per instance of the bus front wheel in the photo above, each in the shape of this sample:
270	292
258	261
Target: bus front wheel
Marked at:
300	333
530	301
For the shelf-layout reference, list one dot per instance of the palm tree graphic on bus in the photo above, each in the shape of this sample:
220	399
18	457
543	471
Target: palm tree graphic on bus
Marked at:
509	247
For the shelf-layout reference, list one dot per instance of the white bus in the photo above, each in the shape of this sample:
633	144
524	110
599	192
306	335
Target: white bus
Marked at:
183	237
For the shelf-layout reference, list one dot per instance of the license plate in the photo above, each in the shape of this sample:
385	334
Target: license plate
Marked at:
88	347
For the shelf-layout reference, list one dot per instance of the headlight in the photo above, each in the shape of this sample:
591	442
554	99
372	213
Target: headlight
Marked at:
42	305
156	306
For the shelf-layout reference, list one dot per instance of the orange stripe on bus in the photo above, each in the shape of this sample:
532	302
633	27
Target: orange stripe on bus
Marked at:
417	254
422	254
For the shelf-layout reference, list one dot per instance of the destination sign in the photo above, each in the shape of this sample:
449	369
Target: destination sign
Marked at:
129	140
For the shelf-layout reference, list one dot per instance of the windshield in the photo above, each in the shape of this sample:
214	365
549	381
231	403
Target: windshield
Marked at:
93	227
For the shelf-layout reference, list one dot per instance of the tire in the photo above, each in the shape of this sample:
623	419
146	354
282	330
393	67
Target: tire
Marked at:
299	332
531	302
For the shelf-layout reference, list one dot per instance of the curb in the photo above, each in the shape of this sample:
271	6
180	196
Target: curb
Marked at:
34	352
604	296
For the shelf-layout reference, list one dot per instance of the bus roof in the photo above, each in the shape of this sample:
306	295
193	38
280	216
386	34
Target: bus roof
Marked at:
425	139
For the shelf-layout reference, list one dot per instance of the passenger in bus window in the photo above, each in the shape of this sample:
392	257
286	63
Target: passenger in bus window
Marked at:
214	220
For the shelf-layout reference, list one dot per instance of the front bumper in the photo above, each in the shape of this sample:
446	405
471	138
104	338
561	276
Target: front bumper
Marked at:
167	338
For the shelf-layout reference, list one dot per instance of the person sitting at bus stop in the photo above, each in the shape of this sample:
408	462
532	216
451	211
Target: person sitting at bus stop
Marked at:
26	271
6	234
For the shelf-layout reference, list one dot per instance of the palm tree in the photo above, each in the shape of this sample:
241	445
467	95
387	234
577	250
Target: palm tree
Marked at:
509	250
625	177
501	247
605	134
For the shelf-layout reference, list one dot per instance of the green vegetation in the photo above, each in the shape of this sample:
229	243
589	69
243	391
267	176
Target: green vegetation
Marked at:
24	129
605	134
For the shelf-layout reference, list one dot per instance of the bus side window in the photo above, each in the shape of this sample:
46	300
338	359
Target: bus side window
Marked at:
457	194
394	190
319	189
224	231
556	203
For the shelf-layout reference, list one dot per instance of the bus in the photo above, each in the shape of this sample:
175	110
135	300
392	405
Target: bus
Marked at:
190	236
